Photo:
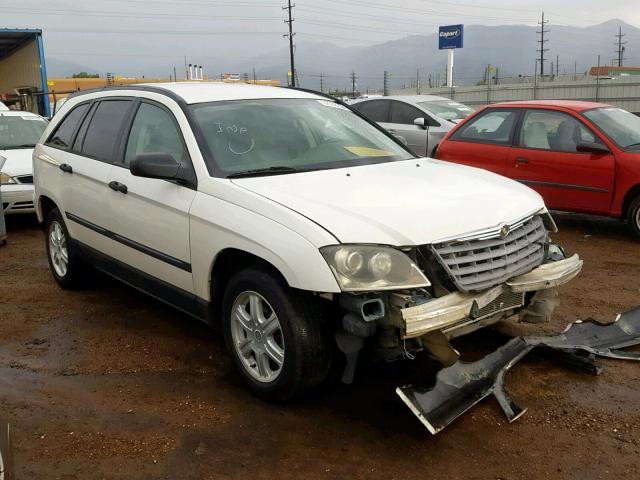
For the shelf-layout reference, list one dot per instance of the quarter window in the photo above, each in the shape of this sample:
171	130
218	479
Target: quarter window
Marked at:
495	126
102	135
376	110
154	131
63	134
404	114
557	131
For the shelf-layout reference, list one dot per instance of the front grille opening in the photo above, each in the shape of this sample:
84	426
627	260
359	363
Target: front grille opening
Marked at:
477	264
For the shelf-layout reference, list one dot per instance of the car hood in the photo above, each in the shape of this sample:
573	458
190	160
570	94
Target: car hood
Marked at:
403	203
18	161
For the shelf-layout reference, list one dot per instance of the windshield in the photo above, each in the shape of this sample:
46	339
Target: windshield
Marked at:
447	109
20	132
619	125
288	135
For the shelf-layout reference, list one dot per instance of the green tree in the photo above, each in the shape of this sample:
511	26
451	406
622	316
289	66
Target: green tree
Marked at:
85	75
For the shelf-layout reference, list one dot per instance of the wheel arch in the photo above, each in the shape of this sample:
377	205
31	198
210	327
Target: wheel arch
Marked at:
631	195
227	263
44	206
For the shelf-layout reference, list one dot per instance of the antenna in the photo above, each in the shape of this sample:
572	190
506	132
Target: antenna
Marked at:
542	41
291	48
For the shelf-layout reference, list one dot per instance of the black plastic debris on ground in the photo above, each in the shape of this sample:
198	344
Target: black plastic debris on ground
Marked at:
462	385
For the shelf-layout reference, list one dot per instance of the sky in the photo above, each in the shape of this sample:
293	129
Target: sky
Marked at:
210	31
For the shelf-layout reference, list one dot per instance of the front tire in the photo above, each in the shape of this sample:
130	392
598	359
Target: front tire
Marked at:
277	337
64	261
634	216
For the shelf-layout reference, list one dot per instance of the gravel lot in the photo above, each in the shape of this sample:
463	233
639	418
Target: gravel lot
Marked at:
107	383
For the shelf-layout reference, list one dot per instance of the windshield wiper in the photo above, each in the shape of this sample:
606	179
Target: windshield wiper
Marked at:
276	170
633	145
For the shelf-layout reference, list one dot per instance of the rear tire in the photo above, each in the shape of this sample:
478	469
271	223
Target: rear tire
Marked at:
62	252
633	216
277	336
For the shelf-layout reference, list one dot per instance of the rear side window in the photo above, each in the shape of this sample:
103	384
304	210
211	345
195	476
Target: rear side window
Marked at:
557	131
376	110
404	114
63	134
154	131
102	135
494	126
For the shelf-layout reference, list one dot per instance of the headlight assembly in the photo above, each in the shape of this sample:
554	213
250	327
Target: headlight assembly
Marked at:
372	267
6	179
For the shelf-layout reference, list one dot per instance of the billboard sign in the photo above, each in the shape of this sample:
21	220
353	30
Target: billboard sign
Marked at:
450	36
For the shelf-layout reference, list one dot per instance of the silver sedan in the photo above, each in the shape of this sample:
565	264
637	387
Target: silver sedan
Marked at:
421	120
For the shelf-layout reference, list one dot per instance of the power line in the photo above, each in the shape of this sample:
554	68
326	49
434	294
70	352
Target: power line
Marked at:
96	13
542	41
289	9
621	46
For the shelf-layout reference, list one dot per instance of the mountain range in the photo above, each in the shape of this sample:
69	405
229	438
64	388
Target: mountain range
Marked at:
510	48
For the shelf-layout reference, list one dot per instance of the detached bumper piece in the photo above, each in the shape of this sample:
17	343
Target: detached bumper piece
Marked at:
461	386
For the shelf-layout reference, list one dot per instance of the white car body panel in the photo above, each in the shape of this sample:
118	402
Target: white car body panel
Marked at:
18	164
412	202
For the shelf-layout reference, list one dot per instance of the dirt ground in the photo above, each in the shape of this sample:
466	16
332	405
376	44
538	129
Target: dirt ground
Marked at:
107	383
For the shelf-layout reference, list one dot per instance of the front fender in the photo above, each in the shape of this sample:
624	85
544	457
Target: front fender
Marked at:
216	225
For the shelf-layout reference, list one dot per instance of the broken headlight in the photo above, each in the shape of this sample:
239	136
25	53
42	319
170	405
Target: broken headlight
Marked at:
372	268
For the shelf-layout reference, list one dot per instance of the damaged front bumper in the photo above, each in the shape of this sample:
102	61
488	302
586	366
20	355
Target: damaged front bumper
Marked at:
462	385
457	310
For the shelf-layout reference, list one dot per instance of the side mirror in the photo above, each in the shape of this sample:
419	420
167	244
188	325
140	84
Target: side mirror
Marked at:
592	147
155	165
425	122
420	122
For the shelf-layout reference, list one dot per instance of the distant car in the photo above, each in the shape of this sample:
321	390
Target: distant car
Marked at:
580	156
19	133
414	117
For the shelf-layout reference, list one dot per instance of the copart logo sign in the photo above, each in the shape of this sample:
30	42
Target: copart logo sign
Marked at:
450	36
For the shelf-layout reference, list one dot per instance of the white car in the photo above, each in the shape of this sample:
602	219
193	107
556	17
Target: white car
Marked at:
292	222
3	107
19	133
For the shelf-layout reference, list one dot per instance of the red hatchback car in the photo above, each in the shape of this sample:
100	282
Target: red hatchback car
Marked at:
580	156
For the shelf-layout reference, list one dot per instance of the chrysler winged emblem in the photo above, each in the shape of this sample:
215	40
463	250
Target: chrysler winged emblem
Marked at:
504	231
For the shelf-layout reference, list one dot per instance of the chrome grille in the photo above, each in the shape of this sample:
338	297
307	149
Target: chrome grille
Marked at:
478	264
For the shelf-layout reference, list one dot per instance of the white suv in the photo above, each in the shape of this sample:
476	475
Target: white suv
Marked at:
292	221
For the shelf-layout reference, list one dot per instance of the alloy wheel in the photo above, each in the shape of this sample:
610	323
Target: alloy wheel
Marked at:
257	336
58	249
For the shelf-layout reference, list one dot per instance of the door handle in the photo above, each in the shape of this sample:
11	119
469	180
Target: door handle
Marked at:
118	187
522	160
65	167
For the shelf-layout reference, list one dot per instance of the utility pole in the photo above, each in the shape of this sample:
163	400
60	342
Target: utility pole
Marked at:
290	35
385	84
598	80
353	84
542	41
175	75
186	69
621	46
321	83
417	81
557	65
254	75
